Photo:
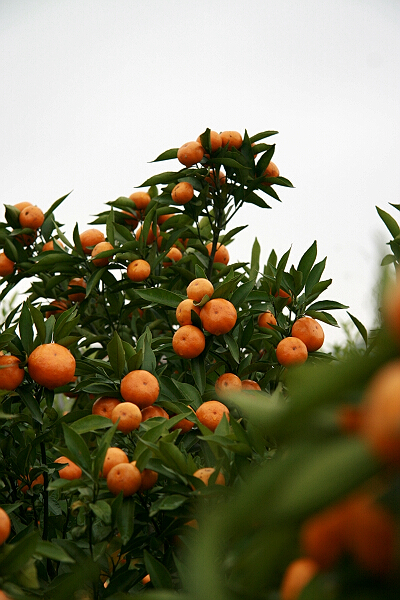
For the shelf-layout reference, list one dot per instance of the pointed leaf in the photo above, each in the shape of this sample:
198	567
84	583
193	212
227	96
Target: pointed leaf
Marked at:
116	355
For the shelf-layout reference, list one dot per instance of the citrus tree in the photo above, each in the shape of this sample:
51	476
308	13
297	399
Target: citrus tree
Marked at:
135	371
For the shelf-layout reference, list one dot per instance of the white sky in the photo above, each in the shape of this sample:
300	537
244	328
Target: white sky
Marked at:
92	91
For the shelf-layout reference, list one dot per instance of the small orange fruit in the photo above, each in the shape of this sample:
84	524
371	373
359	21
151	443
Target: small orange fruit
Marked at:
309	331
190	153
140	387
98	249
218	316
77	296
163	218
51	365
266	319
291	351
184	424
70	471
283	294
210	413
39	480
141	200
59	307
215	141
182	193
188	341
50	245
221	255
7	266
150	236
226	384
271	171
232	138
149	478
3	596
249	384
175	254
198	288
297	575
5	526
104	406
22	205
32	217
129	416
131	219
211	178
138	270
114	456
184	311
125	478
90	238
146	579
11	376
205	473
153	411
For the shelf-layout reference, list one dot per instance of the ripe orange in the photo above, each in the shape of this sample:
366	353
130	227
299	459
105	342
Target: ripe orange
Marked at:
39	480
227	383
297	575
322	536
215	141
190	153
101	247
221	255
59	307
50	245
22	205
198	288
310	332
7	266
32	217
5	526
211	178
218	316
146	579
3	596
266	319
162	218
132	219
210	413
125	478
90	238
114	456
77	296
70	471
104	406
232	138
129	416
51	365
150	236
249	384
175	254
140	387
10	377
188	341
149	478
291	351
205	473
182	193
184	311
141	200
184	424
271	171
138	270
153	411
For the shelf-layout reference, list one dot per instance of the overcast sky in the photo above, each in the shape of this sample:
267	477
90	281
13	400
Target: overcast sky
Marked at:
92	91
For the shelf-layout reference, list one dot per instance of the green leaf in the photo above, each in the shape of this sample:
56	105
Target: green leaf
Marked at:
307	260
90	423
242	292
361	328
125	519
170	502
388	260
100	455
314	276
116	355
161	296
102	510
260	136
327	305
19	555
322	316
167	177
78	450
389	221
159	575
232	347
167	155
94	280
199	373
55	205
25	328
253	198
255	258
49	550
110	228
189	392
31	403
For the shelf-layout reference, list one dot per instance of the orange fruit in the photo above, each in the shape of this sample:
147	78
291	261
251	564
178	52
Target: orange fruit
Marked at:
184	311
297	575
51	365
11	376
391	308
266	319
190	153
114	456
349	418
129	416
218	316
146	579
5	526
163	218
188	341
71	470
140	387
132	219
59	307
215	141
149	478
90	238
182	193
3	596
291	351
227	383
39	480
210	413
221	255
271	171
205	473
184	424
153	411
283	294
22	205
7	266
322	536
138	270
198	288
140	199
150	236
101	247
32	217
104	406
309	331
380	422
125	478
211	178
76	296
249	384
50	245
175	254
232	138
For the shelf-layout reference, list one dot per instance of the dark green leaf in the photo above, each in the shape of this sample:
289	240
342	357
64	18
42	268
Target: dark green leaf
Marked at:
161	296
361	328
167	155
79	452
125	519
159	575
116	355
389	221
